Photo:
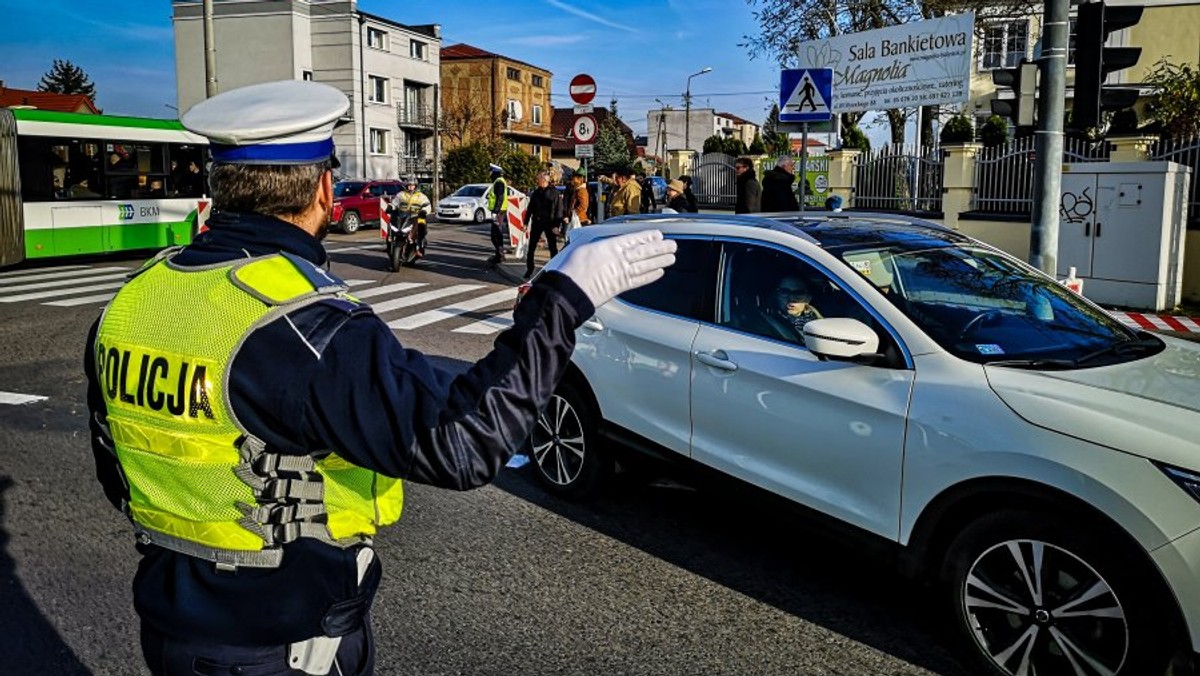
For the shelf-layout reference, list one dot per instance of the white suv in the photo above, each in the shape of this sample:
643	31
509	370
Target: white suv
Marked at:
1007	439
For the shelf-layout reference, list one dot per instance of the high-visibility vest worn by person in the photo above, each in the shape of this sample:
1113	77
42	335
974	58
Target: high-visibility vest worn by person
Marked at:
410	201
498	198
200	483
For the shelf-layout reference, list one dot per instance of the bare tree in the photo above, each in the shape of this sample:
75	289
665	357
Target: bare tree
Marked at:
466	118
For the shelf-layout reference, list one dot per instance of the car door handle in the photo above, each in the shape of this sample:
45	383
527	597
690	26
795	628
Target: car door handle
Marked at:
593	324
717	359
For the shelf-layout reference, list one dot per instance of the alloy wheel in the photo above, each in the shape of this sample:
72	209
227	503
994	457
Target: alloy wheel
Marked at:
558	442
1036	609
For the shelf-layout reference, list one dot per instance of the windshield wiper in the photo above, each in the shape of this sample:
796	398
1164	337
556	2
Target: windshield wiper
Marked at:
1033	363
1122	348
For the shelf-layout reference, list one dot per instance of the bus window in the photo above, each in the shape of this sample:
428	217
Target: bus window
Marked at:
186	171
135	170
37	163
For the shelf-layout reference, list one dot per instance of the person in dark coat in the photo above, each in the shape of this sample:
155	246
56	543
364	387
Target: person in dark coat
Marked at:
778	193
543	217
693	205
675	198
749	191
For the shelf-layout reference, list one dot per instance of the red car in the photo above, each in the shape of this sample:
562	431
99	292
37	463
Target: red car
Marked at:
356	202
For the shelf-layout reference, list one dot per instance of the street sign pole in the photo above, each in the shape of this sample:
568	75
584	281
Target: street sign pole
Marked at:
803	167
1043	236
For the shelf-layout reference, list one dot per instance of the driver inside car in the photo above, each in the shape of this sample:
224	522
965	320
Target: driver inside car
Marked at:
789	308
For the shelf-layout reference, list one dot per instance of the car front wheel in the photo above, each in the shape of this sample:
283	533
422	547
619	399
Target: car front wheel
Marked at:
1031	595
565	446
480	215
351	222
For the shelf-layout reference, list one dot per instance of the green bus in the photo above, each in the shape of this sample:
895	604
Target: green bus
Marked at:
73	184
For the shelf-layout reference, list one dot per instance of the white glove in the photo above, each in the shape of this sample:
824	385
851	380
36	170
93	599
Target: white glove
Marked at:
606	268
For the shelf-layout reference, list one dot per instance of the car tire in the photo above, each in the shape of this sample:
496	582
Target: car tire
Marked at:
565	446
480	215
351	222
1007	609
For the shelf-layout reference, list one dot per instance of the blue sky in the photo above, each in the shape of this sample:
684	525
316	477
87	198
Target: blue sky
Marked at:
637	50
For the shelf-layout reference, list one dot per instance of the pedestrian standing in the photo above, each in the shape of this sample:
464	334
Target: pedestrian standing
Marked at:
675	198
749	192
579	200
544	216
497	203
254	421
779	187
649	203
628	198
693	205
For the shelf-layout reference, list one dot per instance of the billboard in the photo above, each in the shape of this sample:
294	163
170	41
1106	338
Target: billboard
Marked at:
925	63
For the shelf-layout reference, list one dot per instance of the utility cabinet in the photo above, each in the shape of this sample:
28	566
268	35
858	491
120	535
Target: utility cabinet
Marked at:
1122	227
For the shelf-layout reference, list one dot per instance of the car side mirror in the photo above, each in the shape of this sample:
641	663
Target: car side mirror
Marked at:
840	338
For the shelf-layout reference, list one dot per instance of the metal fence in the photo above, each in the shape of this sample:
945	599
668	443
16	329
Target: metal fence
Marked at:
1004	175
713	180
1183	151
899	178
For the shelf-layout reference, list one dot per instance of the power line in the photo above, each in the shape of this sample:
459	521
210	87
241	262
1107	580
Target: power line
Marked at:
654	96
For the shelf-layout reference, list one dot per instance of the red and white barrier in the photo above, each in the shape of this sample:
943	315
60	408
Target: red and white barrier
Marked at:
1158	322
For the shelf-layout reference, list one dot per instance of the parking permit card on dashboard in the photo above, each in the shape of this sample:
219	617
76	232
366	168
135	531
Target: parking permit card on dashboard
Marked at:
989	348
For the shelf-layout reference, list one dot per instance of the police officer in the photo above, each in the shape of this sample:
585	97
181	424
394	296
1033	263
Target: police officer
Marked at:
254	421
497	202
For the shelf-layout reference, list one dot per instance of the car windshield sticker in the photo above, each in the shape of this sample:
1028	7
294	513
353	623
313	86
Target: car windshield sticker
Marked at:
989	348
863	267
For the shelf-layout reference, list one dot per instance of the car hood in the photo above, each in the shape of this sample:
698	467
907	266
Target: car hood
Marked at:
1149	407
456	201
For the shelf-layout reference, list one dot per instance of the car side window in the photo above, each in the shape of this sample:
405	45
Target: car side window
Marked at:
773	294
686	288
391	189
376	190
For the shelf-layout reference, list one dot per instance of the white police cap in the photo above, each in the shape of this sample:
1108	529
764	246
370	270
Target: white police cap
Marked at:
285	122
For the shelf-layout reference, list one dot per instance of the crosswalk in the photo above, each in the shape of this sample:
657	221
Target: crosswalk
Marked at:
466	308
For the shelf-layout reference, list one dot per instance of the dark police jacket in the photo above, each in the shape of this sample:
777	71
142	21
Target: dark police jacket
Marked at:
332	375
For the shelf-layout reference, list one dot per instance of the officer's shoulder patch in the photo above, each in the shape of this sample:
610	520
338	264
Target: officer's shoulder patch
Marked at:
282	278
346	304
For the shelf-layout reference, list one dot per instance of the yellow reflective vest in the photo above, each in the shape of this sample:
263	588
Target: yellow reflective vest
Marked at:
497	199
199	483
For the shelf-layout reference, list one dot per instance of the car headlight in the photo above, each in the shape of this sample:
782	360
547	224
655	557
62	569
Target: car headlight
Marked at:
1187	480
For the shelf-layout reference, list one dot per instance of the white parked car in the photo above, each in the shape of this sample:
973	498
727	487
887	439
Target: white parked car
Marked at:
1001	437
469	203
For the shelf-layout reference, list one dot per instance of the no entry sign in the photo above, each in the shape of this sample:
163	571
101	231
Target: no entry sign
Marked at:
583	89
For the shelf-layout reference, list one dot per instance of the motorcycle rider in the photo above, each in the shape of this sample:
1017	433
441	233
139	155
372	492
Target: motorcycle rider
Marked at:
412	201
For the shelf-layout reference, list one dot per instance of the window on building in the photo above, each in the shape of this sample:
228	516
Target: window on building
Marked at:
1004	45
537	81
378	89
514	110
537	115
417	50
535	149
514	74
414	147
306	75
376	38
379	141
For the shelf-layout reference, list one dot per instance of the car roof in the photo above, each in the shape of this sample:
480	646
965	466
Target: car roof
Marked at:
826	229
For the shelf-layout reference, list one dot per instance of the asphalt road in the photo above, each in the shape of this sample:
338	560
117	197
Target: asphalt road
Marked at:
651	578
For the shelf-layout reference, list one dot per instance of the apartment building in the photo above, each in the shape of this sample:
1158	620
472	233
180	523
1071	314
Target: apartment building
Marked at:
389	70
486	95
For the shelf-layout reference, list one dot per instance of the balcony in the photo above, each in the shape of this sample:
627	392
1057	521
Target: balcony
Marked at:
415	117
414	165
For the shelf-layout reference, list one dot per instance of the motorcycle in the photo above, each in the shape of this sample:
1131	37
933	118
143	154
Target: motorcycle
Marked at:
405	234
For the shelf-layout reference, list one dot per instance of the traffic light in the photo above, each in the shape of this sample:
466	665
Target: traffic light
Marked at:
1094	61
1023	81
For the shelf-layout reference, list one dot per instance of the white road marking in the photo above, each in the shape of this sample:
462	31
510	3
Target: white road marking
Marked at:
14	273
357	282
431	316
57	275
86	300
62	282
387	288
17	399
418	298
489	325
60	292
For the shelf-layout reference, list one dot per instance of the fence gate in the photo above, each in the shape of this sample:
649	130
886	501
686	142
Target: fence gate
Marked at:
713	180
899	178
1183	151
1004	175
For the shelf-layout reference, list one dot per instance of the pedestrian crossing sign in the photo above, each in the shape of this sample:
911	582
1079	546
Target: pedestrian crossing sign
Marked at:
805	95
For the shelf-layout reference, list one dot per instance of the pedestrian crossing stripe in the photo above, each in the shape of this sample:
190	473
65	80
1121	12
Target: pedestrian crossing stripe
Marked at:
80	287
806	95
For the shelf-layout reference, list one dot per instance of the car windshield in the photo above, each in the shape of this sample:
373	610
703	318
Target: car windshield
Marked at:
344	188
470	191
986	307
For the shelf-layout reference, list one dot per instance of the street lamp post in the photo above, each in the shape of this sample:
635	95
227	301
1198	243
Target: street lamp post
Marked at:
687	105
